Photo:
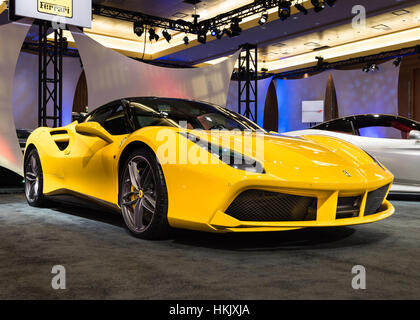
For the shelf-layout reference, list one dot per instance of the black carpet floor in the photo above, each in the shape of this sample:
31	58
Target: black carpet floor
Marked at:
103	261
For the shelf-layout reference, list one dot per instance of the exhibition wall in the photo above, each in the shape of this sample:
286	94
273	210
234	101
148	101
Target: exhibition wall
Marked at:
357	93
13	34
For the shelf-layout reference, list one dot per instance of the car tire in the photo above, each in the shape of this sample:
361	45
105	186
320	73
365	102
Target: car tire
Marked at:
34	180
143	196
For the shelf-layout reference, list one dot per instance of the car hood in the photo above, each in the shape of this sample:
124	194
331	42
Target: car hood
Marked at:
290	151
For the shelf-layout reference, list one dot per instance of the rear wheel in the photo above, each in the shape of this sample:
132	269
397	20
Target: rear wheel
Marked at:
143	196
34	180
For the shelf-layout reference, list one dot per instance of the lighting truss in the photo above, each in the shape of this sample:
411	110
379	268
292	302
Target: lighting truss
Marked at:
148	20
258	7
50	82
375	58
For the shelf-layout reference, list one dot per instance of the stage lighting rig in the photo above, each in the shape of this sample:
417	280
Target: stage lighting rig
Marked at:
319	5
397	61
166	35
374	67
219	34
202	34
228	32
370	67
301	8
234	27
284	10
320	62
264	18
153	35
138	28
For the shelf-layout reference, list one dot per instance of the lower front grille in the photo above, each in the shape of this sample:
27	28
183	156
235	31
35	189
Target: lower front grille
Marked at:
348	207
375	199
258	205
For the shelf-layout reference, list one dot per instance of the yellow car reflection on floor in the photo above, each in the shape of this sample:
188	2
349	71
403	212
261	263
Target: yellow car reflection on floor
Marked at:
168	163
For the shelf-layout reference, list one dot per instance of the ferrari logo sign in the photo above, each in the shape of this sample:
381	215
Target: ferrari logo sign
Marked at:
62	8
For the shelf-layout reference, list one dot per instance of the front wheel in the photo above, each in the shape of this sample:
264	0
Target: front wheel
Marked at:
143	196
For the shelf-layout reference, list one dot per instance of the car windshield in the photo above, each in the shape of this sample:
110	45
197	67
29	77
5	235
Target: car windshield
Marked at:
189	114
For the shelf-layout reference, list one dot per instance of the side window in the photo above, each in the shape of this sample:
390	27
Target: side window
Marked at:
343	126
111	118
116	123
381	132
100	115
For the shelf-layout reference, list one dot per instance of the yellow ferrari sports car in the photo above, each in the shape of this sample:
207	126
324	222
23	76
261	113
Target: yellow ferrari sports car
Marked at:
171	163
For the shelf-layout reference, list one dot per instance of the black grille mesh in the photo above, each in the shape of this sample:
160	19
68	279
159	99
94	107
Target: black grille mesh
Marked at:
348	207
374	200
258	205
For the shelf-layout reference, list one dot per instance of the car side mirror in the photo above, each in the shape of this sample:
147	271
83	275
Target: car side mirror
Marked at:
94	129
414	135
78	116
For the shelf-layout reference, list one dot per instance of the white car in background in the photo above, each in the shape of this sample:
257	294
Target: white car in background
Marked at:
398	148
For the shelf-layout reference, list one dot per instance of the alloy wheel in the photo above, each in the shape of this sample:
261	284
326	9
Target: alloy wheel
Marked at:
138	194
32	176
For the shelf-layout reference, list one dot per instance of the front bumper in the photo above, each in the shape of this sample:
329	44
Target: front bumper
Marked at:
326	216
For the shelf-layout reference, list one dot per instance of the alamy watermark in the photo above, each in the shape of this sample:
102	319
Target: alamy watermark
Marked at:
358	281
233	147
359	20
58	281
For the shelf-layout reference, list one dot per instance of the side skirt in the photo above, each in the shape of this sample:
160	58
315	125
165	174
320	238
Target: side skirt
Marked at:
80	199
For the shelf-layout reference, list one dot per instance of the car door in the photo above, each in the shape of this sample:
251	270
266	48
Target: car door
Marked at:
91	169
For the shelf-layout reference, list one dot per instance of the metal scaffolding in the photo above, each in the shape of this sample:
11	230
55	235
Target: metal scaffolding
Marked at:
50	72
248	81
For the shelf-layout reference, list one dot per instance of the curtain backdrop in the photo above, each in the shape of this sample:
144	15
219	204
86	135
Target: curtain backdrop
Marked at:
80	101
12	36
111	76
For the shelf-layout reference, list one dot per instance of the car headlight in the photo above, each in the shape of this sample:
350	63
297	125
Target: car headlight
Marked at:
230	157
375	160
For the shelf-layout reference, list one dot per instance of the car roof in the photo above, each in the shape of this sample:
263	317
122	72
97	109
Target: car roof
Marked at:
370	118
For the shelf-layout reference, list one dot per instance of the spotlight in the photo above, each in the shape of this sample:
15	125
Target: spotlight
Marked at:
138	28
397	61
331	3
202	38
202	35
320	62
153	35
235	28
366	68
263	19
301	8
371	67
166	35
228	32
374	67
284	10
319	5
186	40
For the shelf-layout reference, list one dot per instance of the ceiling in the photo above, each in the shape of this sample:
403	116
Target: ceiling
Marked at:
283	45
277	40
